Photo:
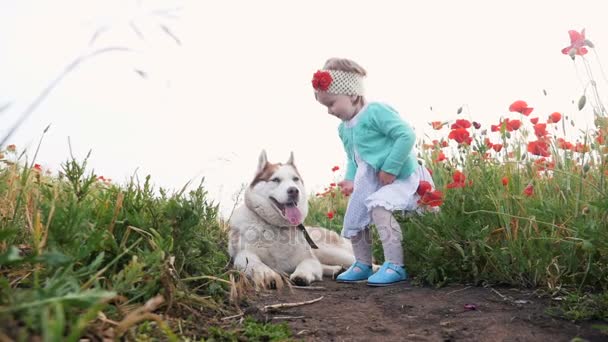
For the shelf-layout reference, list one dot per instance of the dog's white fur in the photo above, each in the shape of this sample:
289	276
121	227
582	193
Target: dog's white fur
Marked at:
264	244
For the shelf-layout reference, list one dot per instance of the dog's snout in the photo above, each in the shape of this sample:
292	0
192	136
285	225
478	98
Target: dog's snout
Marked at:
293	191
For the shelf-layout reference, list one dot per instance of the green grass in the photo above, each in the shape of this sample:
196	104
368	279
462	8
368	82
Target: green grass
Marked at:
251	331
74	245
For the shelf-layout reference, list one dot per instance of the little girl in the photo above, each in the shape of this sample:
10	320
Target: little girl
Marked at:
382	173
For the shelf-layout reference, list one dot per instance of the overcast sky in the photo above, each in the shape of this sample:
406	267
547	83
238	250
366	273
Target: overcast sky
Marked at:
239	81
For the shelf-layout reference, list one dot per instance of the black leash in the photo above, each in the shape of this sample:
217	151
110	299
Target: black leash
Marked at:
312	244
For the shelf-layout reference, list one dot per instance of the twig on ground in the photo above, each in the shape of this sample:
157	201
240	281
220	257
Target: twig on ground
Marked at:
289	305
466	288
233	317
288	317
500	294
308	287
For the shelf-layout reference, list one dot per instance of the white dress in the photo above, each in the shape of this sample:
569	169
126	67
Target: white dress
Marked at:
368	193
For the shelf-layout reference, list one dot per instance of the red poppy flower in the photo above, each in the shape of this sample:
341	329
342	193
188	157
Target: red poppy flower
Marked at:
461	135
11	148
529	190
577	44
505	181
458	180
540	130
534	121
564	145
437	125
330	215
461	123
440	157
455	185
539	148
37	167
423	187
544	164
432	198
520	107
321	80
335	168
512	125
459	177
554	117
497	147
332	184
495	128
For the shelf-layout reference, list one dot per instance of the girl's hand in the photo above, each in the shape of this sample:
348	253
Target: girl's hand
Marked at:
386	178
347	187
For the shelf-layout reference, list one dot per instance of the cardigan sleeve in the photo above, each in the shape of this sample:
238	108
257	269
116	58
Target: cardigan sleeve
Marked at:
387	121
351	167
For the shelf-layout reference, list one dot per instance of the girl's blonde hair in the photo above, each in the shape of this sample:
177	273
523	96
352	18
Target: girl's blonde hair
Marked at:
348	65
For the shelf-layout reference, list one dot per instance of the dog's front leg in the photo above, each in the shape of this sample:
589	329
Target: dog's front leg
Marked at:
262	275
307	271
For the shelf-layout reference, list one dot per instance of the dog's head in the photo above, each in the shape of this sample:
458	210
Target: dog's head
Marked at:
277	193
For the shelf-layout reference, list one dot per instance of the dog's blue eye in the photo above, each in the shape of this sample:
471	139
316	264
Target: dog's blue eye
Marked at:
296	179
276	180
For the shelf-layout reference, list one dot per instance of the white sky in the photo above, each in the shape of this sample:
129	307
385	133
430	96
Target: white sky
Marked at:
240	81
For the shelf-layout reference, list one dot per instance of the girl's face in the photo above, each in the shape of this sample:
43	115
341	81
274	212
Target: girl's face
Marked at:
340	106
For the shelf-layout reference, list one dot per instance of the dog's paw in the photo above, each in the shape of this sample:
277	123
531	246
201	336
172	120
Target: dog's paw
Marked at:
338	272
333	271
300	279
267	279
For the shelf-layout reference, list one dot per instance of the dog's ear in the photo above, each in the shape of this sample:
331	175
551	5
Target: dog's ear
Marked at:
262	161
290	161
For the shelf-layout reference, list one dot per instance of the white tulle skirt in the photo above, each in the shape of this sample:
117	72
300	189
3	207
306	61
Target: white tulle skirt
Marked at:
368	193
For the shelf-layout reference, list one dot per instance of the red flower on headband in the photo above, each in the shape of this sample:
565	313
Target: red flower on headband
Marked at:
321	80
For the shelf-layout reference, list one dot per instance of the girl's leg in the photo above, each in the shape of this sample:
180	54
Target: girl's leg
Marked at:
362	246
362	268
390	235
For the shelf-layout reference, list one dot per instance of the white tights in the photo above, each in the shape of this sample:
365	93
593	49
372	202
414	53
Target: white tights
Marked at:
390	234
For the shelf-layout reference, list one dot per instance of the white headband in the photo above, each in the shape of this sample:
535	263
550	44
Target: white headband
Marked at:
338	82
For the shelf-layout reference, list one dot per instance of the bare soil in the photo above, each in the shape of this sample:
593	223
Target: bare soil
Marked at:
357	312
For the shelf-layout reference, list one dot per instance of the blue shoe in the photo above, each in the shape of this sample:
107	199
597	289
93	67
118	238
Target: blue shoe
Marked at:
388	274
357	272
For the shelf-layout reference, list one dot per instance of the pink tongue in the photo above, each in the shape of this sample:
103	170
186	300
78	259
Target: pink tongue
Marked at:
294	215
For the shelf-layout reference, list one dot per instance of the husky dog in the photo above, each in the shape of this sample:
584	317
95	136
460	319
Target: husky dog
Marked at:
265	240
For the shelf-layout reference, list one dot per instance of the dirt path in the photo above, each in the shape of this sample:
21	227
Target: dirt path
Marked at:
356	312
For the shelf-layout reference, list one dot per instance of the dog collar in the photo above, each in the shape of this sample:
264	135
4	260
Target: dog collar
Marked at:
312	244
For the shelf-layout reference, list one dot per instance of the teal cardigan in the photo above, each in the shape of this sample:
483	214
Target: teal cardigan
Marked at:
383	140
